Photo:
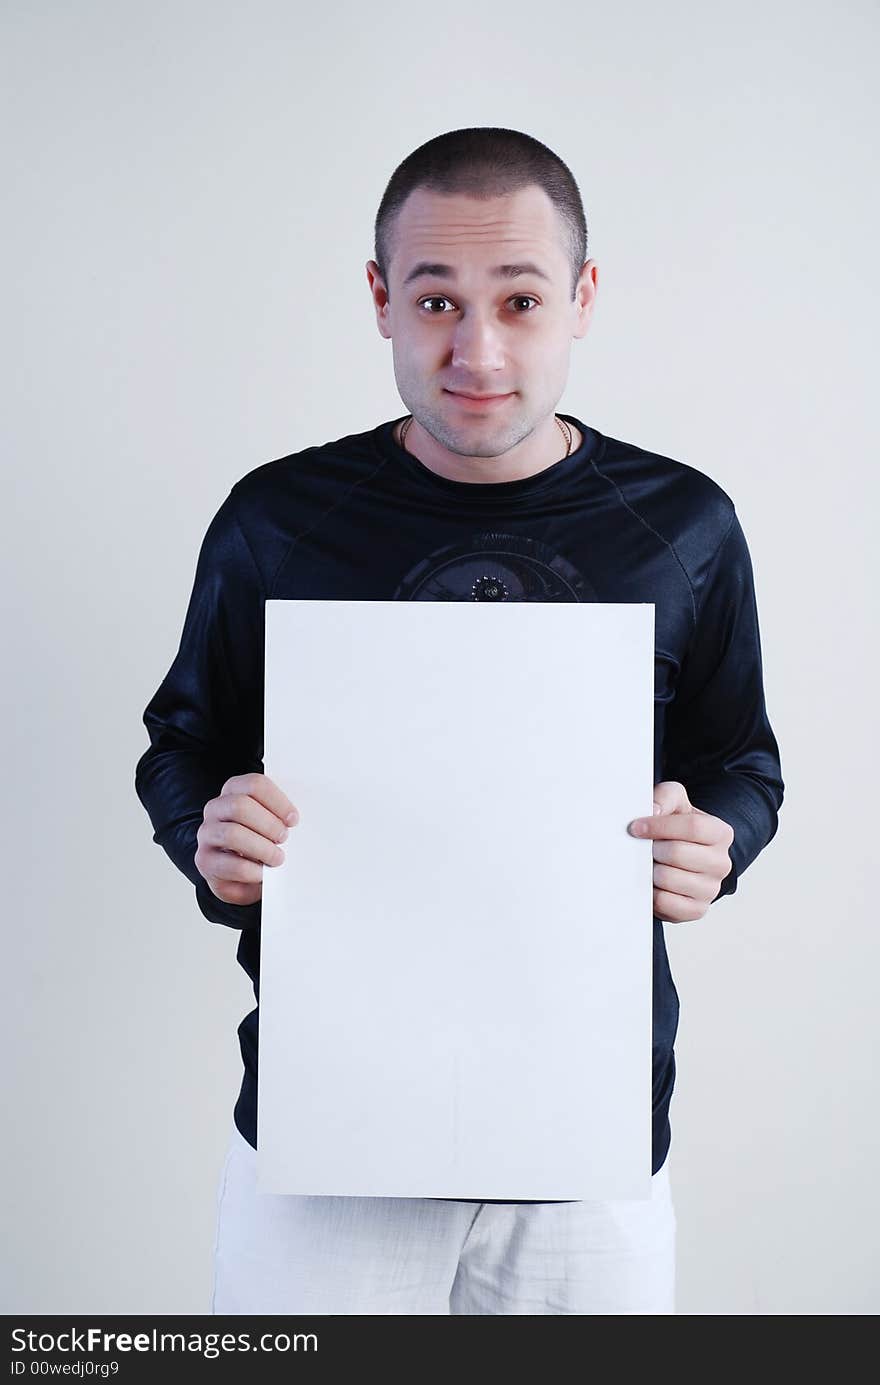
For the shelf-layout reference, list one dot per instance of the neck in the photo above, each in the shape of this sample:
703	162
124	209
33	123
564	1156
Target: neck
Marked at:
410	443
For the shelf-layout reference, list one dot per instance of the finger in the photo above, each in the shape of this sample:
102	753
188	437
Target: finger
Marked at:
676	908
691	827
244	808
234	836
215	864
671	796
690	884
691	855
235	891
265	791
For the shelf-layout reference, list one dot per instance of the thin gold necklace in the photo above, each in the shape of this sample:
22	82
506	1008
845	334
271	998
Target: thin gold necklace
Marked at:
566	433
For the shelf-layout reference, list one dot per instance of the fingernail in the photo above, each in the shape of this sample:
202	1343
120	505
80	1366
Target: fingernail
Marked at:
637	828
284	835
657	809
291	817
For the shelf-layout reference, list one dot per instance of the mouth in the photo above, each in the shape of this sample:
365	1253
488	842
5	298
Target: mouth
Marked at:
478	402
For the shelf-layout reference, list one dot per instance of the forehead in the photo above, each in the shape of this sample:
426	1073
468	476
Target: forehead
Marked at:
477	233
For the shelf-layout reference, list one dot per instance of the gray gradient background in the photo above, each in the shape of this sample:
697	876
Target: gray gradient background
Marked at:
189	200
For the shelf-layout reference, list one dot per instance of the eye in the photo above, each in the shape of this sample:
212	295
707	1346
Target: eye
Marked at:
441	298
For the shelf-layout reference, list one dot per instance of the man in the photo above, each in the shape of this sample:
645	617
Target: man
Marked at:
483	492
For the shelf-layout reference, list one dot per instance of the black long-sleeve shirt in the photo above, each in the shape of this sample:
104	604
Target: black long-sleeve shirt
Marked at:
360	518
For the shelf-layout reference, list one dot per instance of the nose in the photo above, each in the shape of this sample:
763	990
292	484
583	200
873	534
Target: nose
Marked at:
476	346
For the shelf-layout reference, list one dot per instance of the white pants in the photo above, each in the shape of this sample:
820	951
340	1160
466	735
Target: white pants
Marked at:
281	1253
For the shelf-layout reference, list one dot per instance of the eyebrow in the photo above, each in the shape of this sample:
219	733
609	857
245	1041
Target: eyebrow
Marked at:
427	269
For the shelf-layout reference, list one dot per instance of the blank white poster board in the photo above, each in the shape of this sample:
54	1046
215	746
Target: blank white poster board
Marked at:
456	954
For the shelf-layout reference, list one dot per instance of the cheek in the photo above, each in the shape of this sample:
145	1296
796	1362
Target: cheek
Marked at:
416	351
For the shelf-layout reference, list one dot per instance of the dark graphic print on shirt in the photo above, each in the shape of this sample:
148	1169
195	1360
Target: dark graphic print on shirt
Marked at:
495	567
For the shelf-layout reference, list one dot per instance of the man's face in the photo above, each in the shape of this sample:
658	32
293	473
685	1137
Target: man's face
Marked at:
468	329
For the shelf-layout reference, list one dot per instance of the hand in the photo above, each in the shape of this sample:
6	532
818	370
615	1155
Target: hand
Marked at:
239	834
690	853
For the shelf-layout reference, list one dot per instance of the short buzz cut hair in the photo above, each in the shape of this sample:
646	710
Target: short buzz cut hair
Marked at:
483	161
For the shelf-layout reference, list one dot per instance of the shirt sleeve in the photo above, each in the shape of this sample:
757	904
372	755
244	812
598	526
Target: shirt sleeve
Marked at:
205	721
718	740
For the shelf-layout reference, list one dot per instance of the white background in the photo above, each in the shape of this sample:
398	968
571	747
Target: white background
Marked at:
189	195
